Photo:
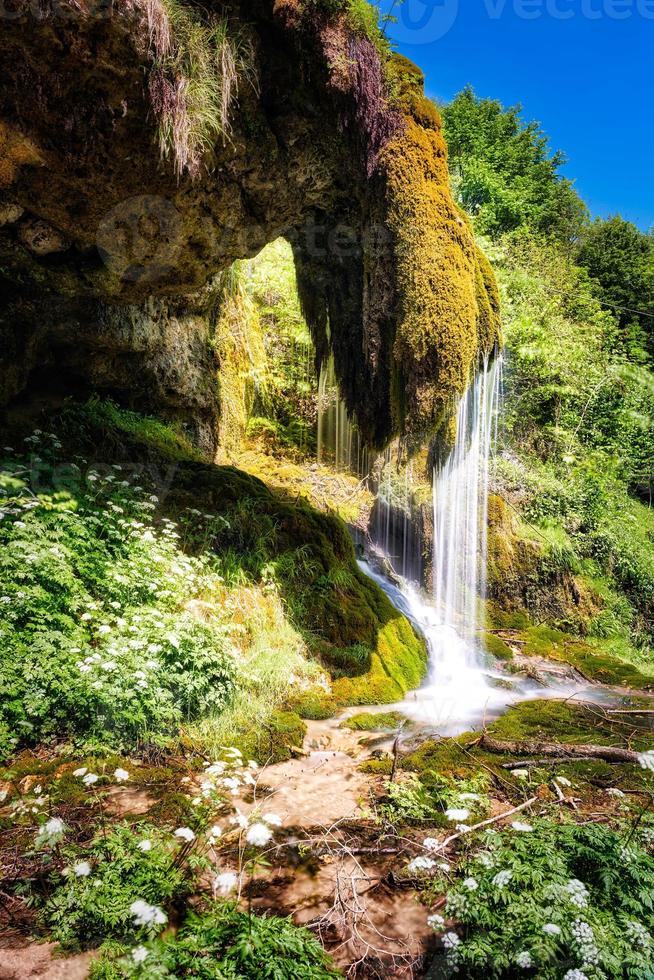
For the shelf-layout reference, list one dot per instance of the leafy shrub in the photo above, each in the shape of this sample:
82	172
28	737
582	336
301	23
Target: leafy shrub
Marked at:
559	898
225	944
96	641
95	905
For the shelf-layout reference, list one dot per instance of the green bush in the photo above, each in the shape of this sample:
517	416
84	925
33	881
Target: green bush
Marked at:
89	907
96	642
553	899
225	944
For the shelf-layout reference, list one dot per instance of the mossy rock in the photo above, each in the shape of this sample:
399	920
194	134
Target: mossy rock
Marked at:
398	665
370	721
313	705
497	647
592	662
283	732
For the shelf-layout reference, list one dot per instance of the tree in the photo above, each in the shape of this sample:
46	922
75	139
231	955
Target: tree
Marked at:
504	173
620	258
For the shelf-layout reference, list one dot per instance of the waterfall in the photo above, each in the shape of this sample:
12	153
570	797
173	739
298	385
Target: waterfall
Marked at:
339	443
463	689
460	689
460	499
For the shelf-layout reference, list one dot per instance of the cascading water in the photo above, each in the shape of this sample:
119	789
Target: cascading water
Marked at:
459	688
339	442
461	508
462	688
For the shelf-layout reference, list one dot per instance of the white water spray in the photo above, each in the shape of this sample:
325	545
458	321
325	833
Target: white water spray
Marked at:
460	497
460	688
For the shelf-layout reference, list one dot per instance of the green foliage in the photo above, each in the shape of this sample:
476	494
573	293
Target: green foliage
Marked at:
579	422
287	414
620	258
96	641
592	883
503	172
425	795
226	944
87	908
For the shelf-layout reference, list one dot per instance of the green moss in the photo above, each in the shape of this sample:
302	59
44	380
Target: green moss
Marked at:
433	366
369	721
593	661
397	665
273	742
105	415
313	705
496	646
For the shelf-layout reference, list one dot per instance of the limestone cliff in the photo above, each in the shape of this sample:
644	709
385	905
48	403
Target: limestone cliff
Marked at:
147	144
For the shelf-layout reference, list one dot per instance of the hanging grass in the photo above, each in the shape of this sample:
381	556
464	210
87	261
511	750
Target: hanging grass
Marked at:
198	67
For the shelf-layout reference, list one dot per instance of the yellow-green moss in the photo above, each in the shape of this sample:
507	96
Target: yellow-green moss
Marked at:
397	665
313	705
274	741
241	354
496	646
370	721
594	662
448	301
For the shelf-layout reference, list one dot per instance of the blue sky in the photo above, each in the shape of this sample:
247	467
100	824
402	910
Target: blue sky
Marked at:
587	78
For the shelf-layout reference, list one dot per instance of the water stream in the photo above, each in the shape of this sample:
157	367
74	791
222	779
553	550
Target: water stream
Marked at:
463	688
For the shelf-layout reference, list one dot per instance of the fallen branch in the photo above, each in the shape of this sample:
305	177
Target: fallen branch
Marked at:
484	823
608	753
630	711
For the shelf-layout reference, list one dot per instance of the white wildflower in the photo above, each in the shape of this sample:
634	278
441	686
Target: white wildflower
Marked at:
562	781
430	844
520	773
436	922
272	819
471	884
451	940
258	835
577	893
523	960
185	833
80	772
144	845
646	760
525	828
613	791
82	869
421	864
90	778
502	878
147	915
121	775
457	814
215	832
550	929
225	883
444	867
639	934
139	954
575	975
469	796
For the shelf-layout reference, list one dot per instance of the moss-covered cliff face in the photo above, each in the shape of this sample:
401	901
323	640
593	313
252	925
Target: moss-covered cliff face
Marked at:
146	145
